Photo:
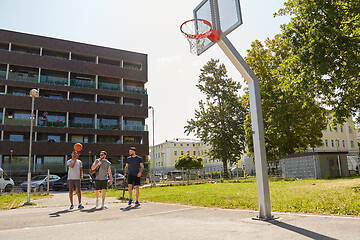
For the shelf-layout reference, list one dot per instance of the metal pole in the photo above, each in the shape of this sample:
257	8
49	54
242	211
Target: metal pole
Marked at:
257	126
48	182
153	147
30	145
2	181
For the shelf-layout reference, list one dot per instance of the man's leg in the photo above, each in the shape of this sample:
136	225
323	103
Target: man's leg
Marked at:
103	195
130	190
71	190
78	192
137	192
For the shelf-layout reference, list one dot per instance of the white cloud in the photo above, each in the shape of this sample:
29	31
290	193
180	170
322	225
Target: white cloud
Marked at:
172	59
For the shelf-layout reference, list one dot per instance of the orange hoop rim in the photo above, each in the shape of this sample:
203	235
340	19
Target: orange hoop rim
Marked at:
200	35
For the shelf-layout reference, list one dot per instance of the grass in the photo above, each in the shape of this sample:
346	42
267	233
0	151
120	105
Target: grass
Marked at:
334	196
8	201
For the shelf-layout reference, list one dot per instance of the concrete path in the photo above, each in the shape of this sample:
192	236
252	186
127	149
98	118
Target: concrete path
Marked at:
164	221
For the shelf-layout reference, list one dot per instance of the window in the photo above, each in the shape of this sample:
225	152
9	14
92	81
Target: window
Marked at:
187	144
352	143
338	143
175	153
174	144
53	138
194	153
180	144
53	159
330	128
16	137
182	153
341	129
188	152
350	130
332	143
80	139
343	143
326	143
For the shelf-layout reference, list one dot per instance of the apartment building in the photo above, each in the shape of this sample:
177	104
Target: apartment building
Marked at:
166	154
89	94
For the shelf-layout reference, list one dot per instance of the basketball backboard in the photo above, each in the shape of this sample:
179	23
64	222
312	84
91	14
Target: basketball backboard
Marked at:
224	16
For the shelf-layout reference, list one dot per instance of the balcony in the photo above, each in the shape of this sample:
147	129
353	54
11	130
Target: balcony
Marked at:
54	80
109	86
23	77
109	126
135	127
17	122
2	74
82	83
132	89
88	125
57	123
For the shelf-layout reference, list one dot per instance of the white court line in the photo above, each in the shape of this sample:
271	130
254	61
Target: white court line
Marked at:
80	223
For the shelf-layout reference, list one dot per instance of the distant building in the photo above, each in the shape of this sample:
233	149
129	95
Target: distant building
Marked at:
167	153
89	94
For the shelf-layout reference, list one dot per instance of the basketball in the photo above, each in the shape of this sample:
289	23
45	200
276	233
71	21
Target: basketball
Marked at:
78	147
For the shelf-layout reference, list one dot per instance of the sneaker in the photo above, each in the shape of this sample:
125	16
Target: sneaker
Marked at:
80	206
97	203
72	206
130	201
137	203
103	206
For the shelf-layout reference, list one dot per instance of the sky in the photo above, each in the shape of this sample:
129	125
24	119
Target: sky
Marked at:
151	27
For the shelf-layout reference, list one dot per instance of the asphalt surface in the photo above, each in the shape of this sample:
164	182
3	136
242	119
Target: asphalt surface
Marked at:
52	219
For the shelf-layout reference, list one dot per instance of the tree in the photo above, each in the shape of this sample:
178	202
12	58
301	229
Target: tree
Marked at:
324	37
293	120
188	162
220	120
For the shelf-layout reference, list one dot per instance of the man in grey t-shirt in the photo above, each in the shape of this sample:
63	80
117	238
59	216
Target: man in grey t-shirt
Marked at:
103	172
75	175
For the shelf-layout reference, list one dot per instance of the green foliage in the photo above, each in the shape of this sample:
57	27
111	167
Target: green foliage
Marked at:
219	121
188	162
293	120
324	38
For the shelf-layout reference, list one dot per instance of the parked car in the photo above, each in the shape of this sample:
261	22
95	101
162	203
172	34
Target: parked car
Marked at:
119	179
40	182
62	184
6	183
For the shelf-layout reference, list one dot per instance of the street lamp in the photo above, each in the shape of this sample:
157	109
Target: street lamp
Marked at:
33	94
153	136
338	157
11	153
90	162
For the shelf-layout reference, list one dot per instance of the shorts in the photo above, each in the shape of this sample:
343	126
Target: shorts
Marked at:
74	183
133	180
100	184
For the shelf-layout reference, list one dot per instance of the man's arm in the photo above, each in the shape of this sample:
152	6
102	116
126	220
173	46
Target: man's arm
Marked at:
110	175
125	170
71	165
81	174
141	170
94	166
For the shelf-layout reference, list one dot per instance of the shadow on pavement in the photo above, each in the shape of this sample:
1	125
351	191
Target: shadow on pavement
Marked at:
91	210
304	232
125	209
58	213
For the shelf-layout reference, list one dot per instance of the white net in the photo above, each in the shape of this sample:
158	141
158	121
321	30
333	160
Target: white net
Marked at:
196	32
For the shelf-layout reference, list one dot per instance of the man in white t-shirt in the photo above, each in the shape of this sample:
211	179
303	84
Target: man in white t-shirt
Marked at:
75	175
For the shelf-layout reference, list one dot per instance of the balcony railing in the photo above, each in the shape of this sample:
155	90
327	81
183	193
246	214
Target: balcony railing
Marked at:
17	122
82	83
2	74
109	126
135	90
58	123
23	77
74	124
109	86
135	127
10	168
54	80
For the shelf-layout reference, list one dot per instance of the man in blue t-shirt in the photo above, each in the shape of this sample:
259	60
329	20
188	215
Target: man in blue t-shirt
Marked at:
133	170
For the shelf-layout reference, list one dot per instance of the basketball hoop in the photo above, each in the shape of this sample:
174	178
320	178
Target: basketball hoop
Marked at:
196	31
